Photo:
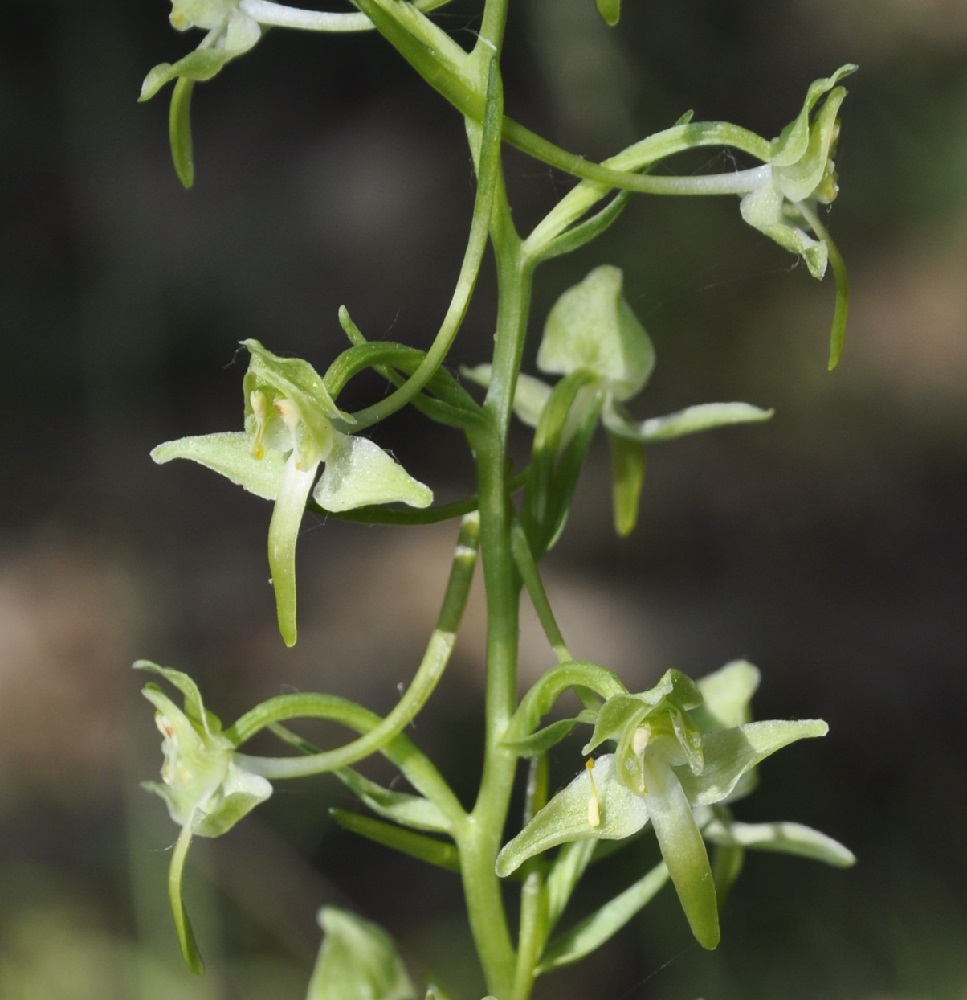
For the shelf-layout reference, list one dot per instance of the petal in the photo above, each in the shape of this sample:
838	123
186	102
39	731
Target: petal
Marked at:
732	753
727	693
230	455
702	417
591	328
682	849
787	838
283	534
242	34
194	707
763	210
567	817
186	936
239	793
799	180
359	473
794	139
202	64
201	13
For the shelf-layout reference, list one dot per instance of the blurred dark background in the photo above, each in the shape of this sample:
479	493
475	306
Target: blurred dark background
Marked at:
828	547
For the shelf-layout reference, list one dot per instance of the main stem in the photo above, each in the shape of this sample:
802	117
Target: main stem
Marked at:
481	837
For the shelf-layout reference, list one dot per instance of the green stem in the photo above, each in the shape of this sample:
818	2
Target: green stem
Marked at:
488	163
415	765
479	839
531	577
837	333
421	687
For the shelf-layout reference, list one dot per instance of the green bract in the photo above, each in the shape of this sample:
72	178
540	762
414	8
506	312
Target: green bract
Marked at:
800	171
206	790
680	747
288	435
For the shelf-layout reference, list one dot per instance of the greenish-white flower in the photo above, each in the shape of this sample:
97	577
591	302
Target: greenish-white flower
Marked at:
230	32
800	173
206	789
289	434
592	329
681	748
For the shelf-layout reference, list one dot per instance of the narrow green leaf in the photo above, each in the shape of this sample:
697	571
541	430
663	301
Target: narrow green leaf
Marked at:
398	807
592	932
540	742
570	864
416	845
580	233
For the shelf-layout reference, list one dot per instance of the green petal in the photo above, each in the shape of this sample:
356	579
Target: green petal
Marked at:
194	707
727	693
764	209
283	535
229	454
682	850
691	420
794	139
202	64
359	473
592	328
238	794
786	838
571	814
732	753
186	936
800	179
287	407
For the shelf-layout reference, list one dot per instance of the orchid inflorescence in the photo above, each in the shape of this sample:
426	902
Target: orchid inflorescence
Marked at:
673	759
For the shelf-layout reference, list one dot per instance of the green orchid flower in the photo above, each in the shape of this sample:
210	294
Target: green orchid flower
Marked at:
230	32
799	174
681	748
289	433
206	789
592	329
